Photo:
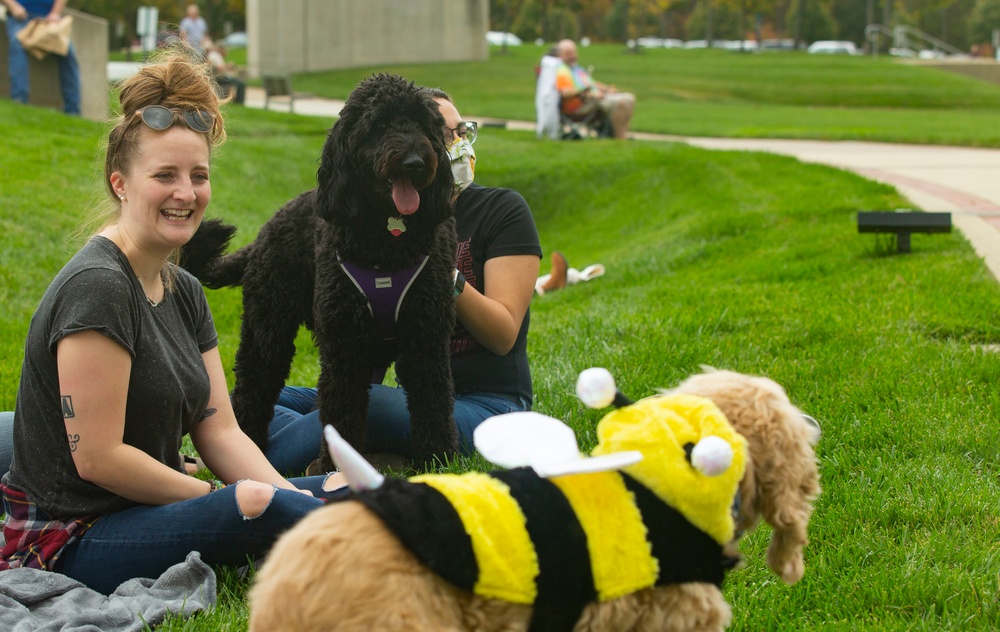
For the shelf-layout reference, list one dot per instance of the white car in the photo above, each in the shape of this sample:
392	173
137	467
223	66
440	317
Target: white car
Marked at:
656	42
831	47
498	38
235	40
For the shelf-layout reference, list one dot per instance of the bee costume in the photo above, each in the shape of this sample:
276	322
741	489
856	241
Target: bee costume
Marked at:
559	543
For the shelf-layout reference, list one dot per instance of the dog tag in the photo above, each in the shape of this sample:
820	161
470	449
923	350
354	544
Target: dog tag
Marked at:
396	226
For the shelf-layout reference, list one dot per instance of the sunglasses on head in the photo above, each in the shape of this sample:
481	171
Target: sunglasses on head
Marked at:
161	118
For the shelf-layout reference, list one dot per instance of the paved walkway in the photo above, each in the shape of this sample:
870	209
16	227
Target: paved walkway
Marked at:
960	180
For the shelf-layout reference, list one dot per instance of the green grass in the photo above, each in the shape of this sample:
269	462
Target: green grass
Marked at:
738	260
720	93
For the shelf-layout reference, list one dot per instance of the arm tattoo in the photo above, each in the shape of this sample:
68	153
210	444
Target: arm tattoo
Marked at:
67	407
209	412
73	440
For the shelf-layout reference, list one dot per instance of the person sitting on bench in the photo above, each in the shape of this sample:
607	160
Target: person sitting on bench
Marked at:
581	94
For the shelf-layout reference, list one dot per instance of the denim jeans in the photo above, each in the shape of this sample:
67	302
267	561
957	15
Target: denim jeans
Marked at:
145	541
6	441
298	424
69	69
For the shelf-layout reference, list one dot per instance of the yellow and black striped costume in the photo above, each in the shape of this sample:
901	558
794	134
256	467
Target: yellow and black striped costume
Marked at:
558	544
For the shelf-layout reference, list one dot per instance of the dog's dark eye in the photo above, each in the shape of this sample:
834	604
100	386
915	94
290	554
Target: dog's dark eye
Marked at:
688	449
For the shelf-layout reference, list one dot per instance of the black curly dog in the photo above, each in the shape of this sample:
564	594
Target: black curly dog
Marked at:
382	204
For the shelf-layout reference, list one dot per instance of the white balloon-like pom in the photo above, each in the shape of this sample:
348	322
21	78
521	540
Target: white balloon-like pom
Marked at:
596	388
712	456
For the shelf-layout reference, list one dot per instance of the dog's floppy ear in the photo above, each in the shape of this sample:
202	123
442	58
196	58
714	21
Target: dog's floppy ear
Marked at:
333	175
786	480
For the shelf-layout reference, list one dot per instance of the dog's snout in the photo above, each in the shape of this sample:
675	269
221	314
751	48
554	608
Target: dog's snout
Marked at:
413	163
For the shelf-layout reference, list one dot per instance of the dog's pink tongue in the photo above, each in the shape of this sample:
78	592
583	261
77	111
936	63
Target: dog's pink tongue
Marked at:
405	197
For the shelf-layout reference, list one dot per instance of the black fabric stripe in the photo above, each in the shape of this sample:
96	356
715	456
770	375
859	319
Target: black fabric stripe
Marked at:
427	524
685	553
565	581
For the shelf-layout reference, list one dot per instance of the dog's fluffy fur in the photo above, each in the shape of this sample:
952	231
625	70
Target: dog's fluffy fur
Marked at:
389	138
340	568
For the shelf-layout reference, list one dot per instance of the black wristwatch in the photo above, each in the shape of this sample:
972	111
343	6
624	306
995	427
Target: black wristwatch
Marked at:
459	282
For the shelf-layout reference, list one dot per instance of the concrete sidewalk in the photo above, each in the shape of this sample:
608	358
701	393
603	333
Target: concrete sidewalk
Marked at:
960	180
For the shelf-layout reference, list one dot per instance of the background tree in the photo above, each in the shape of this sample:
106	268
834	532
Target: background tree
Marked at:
650	18
219	14
747	10
985	17
817	21
725	22
549	20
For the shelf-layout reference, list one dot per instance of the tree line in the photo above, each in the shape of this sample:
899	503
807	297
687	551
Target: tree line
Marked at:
222	16
961	23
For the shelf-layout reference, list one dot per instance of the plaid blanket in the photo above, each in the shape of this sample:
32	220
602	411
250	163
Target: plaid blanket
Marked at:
33	539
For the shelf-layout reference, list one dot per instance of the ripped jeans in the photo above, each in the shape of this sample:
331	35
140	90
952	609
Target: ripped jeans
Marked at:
145	541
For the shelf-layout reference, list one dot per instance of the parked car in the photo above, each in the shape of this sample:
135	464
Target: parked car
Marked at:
776	44
498	38
237	39
656	42
831	47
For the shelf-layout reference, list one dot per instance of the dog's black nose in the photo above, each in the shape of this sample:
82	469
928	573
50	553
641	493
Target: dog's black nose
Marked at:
413	162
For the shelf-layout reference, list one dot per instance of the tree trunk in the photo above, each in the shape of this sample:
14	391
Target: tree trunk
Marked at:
708	23
799	10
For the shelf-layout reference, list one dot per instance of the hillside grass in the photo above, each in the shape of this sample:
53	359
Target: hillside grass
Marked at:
731	94
742	261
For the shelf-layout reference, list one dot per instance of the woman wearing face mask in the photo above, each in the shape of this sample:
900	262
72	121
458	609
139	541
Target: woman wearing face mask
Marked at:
497	265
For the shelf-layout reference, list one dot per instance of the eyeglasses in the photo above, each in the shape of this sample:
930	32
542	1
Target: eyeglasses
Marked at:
161	118
466	130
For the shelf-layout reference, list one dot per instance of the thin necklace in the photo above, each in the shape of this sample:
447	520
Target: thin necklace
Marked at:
152	302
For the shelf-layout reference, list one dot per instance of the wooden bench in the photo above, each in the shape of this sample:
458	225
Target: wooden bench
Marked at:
280	86
903	223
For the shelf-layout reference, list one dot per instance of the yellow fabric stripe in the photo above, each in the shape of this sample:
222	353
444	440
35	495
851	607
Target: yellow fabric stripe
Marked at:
508	564
620	555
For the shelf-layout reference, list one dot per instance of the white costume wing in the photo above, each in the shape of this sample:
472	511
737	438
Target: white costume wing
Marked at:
545	444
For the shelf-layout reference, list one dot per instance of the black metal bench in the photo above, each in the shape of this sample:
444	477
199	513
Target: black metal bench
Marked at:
280	86
903	224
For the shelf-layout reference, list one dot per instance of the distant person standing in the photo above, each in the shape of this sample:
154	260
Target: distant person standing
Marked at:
194	29
18	16
547	96
581	93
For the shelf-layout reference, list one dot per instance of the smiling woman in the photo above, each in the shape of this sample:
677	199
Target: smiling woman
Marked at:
122	360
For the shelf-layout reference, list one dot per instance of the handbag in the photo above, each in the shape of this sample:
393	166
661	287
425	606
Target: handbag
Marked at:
40	36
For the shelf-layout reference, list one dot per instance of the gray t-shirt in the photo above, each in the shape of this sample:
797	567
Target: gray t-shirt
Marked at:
168	385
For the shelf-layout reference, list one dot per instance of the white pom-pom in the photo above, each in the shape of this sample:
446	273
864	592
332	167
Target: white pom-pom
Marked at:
712	456
596	388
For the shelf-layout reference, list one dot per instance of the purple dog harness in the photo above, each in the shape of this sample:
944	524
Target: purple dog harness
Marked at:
385	291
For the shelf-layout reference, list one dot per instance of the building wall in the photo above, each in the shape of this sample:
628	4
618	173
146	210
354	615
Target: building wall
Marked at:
90	40
293	36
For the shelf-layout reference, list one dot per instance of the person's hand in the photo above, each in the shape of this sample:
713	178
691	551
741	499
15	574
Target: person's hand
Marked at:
53	17
16	10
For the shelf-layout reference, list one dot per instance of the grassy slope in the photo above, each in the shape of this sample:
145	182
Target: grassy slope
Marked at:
741	261
719	93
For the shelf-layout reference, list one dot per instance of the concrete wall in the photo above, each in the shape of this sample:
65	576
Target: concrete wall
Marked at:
292	36
90	39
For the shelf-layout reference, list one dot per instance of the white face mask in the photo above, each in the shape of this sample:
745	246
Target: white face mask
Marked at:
463	164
